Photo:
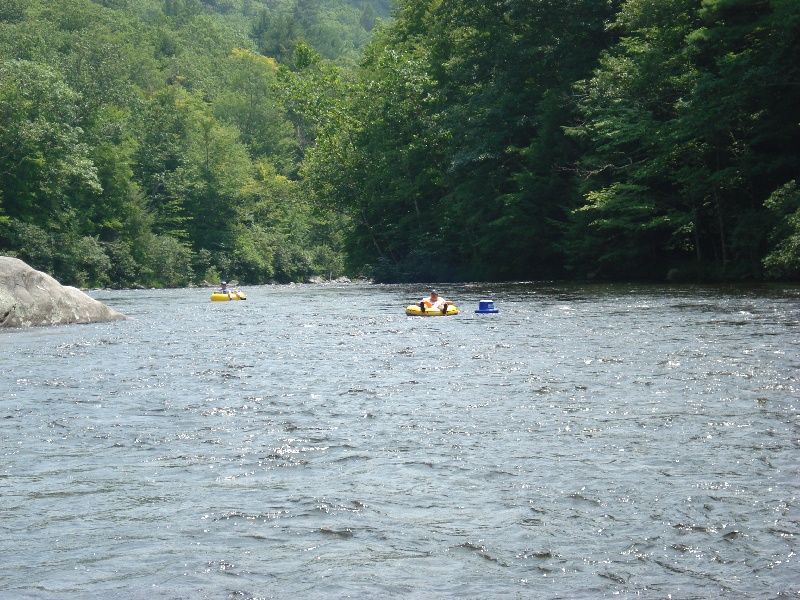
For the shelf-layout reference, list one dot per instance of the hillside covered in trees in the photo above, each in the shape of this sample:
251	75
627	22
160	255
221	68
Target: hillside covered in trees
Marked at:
148	142
161	142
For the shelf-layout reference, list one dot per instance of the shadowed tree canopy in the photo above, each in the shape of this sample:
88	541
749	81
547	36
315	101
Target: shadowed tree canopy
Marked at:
528	139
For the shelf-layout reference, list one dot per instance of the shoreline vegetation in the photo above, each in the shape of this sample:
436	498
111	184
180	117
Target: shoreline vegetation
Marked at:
158	143
234	283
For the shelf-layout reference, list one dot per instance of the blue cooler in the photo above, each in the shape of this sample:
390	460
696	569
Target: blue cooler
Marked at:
486	307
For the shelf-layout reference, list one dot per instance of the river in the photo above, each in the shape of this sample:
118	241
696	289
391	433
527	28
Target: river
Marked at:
315	442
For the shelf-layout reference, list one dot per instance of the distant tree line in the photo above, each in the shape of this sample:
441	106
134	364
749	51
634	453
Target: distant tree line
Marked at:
163	142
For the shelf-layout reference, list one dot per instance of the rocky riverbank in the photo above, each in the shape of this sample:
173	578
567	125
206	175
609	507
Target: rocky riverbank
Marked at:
31	298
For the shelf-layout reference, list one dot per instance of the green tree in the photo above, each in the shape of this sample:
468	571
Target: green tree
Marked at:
276	34
443	153
251	102
783	261
692	123
630	106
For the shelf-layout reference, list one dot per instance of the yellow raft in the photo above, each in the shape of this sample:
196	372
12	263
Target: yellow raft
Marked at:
220	297
429	312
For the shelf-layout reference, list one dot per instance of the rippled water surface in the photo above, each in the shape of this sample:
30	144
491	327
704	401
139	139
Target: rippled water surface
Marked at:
314	442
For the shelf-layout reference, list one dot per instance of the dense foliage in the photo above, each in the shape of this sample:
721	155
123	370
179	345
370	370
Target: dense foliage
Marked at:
161	142
530	139
148	142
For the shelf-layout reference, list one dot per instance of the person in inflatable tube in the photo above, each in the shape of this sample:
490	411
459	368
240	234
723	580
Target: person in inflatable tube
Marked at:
224	289
434	302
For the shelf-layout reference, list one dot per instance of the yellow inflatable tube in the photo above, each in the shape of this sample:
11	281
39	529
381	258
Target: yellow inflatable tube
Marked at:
430	312
220	297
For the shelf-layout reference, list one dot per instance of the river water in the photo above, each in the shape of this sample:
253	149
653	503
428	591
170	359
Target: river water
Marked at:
315	442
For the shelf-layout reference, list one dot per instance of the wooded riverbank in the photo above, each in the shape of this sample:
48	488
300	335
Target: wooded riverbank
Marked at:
166	142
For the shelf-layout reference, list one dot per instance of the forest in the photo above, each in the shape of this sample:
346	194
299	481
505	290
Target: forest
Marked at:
166	142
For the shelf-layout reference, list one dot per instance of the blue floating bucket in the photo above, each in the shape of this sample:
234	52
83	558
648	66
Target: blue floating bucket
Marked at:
486	307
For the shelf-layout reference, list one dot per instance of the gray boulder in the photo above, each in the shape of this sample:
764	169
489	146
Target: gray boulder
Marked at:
29	297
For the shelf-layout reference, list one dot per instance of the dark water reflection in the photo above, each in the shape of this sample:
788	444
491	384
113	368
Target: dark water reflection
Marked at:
315	442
